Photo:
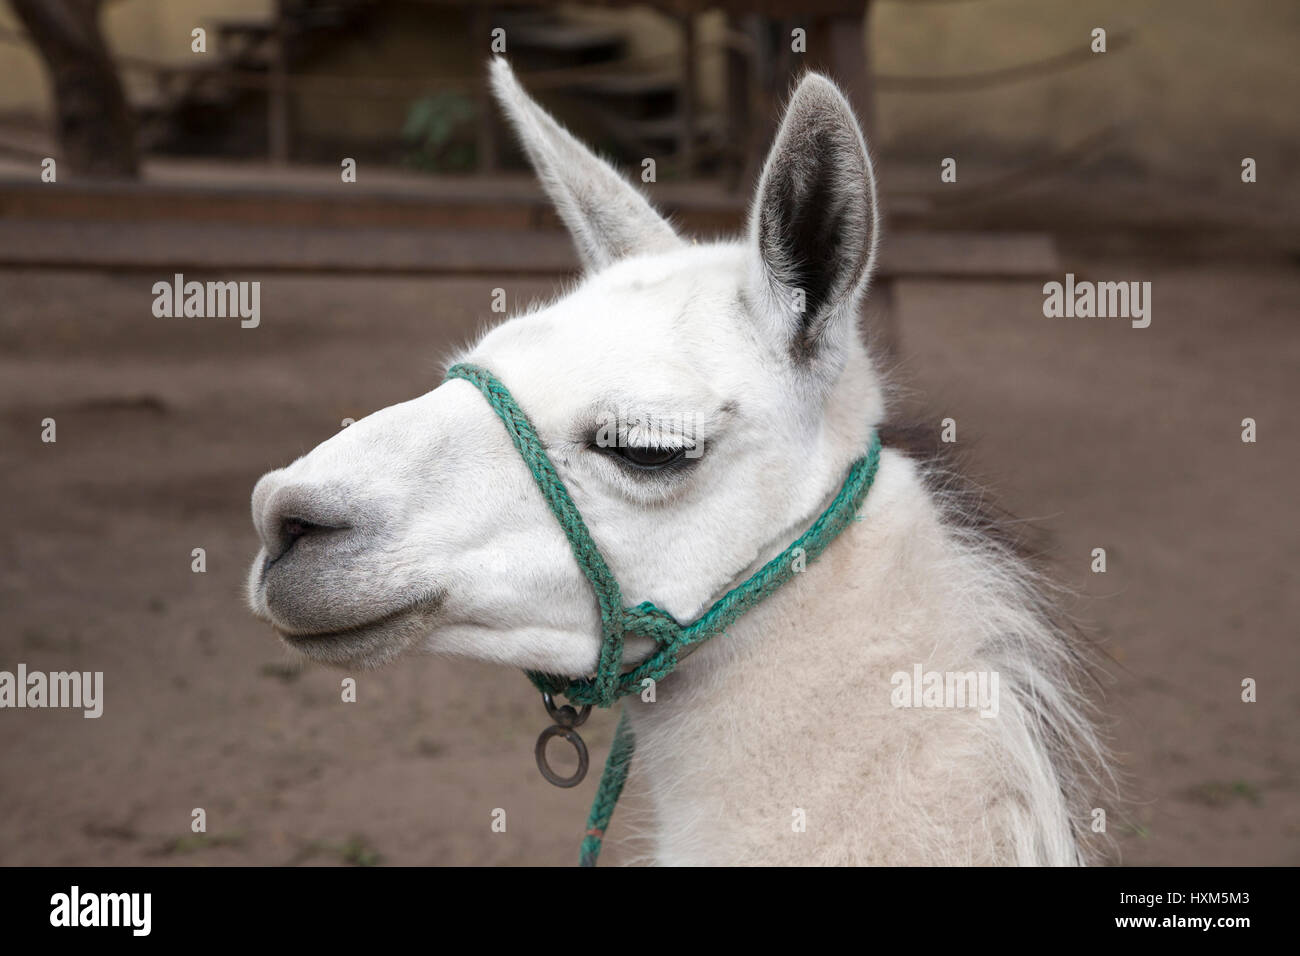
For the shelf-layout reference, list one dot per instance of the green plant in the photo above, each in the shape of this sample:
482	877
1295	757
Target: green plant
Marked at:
433	127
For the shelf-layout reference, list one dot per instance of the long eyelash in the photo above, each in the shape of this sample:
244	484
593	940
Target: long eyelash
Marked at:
667	469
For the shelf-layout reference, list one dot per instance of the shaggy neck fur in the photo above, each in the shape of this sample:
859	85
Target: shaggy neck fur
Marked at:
788	717
789	714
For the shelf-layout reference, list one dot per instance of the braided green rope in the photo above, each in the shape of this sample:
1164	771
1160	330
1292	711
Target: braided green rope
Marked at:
612	779
610	682
566	512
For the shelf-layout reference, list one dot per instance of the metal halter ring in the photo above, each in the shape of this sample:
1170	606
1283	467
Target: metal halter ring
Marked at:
565	716
555	730
566	719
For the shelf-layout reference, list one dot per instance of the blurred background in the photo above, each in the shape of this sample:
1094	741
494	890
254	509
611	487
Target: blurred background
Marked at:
212	139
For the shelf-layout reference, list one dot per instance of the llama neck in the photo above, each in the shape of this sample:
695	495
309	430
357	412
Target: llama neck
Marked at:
734	729
776	742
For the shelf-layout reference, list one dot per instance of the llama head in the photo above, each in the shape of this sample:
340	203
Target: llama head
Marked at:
700	402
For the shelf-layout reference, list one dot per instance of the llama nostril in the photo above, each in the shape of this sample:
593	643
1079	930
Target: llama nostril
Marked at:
291	529
294	528
285	512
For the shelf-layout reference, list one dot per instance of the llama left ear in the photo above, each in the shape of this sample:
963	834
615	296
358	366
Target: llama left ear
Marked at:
814	222
607	217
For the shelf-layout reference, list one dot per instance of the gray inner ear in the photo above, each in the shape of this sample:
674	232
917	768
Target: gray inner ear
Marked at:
814	218
608	218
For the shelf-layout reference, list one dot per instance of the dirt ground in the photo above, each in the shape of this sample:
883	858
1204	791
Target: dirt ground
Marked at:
1107	436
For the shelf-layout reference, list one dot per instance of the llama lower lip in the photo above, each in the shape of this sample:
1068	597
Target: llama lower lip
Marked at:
373	641
357	629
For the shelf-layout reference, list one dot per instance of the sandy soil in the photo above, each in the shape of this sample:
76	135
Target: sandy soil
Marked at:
1108	436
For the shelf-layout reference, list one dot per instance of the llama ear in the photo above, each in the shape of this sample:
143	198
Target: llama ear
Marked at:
813	224
607	217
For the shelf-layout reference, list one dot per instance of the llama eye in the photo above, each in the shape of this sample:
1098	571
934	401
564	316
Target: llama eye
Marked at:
645	456
649	457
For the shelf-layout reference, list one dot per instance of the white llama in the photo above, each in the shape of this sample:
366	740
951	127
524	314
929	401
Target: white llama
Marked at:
740	393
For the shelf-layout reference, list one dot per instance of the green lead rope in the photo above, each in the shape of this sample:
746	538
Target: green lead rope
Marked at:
610	682
612	779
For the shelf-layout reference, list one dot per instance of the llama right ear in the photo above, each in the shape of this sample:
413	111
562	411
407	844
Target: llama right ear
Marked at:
813	224
607	217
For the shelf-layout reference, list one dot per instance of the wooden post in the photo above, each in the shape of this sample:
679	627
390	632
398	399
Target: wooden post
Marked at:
837	46
277	104
739	124
487	155
849	59
762	70
686	145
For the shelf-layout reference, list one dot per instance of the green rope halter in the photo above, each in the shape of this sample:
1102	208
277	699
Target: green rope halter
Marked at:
610	681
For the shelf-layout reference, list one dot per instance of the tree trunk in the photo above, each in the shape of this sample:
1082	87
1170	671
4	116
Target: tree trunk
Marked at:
96	128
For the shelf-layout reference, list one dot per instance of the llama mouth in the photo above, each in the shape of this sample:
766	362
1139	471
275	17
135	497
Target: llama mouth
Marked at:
370	643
